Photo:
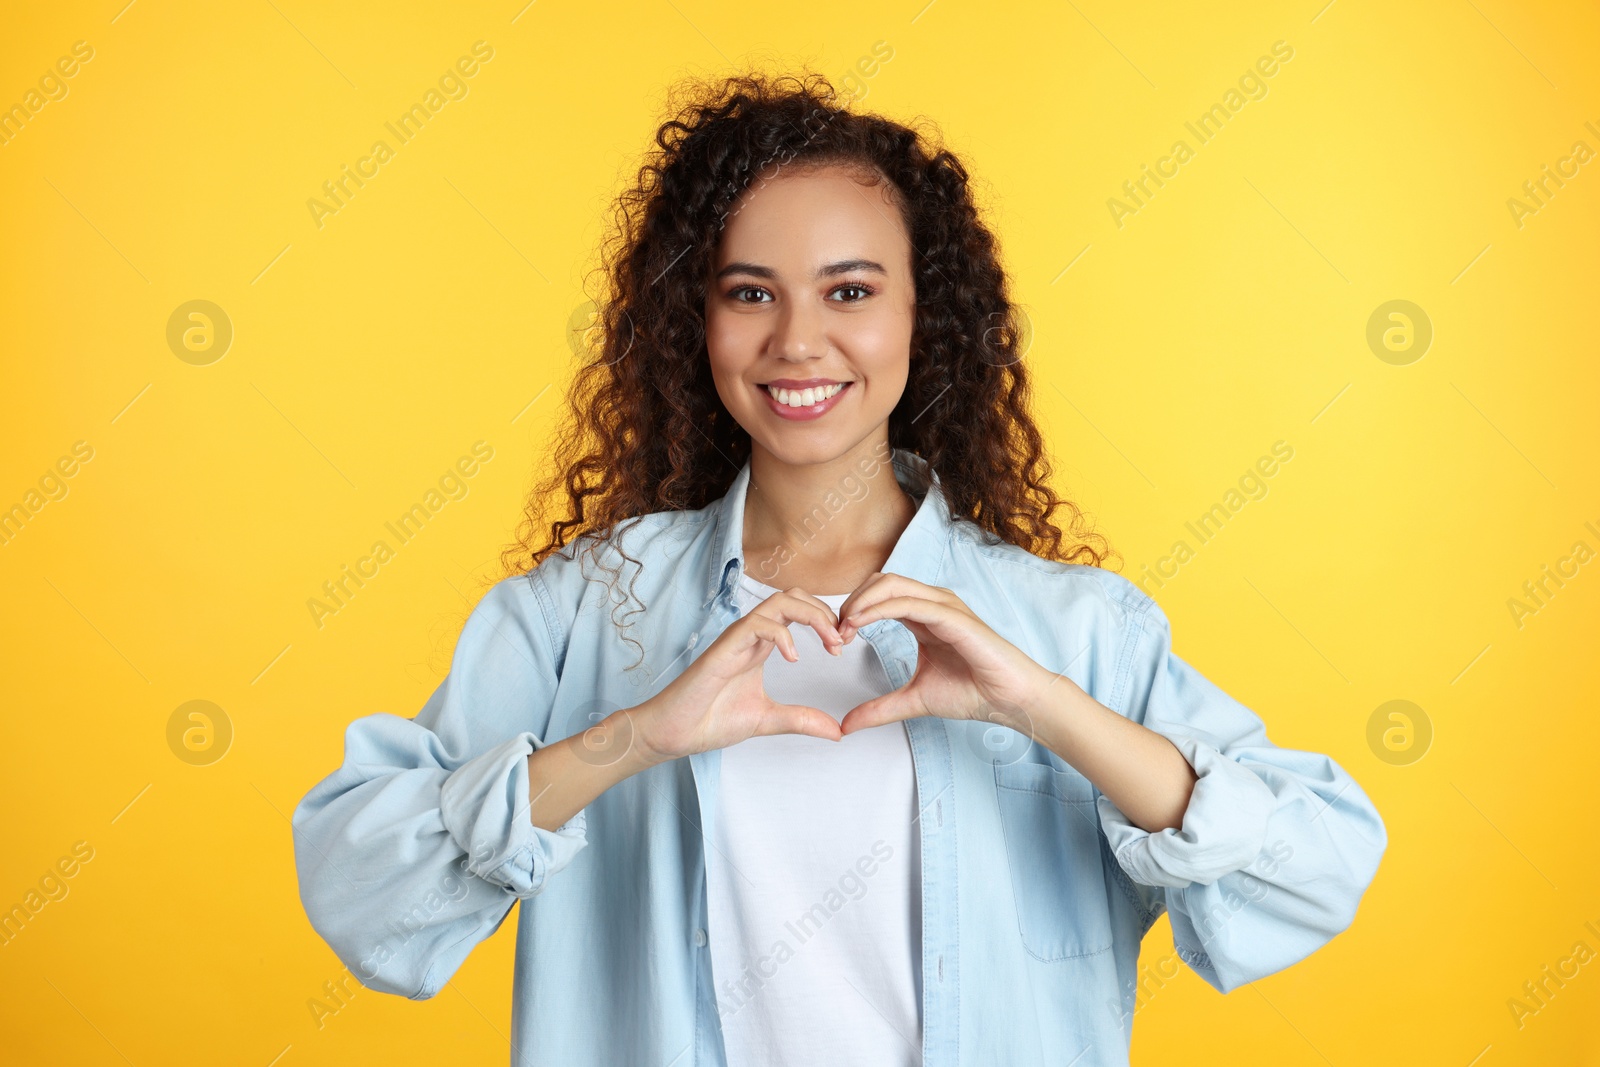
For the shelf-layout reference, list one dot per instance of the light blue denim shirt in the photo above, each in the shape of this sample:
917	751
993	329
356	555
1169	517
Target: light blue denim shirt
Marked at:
1036	890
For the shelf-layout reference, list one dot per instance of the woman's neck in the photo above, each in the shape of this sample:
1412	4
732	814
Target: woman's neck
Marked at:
822	526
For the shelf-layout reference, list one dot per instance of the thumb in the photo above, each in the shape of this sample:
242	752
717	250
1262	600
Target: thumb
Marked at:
875	712
799	719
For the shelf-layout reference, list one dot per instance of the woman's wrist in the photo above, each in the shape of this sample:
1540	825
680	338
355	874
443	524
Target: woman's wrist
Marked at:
632	729
619	741
566	776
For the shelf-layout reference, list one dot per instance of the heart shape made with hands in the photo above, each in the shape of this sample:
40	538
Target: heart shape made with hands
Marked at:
964	669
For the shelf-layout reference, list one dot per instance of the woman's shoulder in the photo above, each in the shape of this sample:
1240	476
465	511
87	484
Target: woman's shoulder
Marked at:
632	550
651	533
544	599
1054	584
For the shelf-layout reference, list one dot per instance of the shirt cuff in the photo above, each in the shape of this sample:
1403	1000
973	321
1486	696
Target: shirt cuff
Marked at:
484	806
1224	826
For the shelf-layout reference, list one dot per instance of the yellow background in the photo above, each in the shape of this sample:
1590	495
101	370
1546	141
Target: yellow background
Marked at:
1229	313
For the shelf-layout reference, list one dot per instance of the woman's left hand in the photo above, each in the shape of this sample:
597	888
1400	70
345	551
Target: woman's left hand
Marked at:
964	669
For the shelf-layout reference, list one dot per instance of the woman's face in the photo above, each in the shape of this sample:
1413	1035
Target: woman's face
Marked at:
811	290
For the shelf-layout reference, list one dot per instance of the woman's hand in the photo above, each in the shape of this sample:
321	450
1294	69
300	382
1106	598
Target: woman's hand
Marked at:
719	699
964	669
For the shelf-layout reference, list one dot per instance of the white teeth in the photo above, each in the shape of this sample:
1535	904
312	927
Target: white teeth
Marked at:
804	398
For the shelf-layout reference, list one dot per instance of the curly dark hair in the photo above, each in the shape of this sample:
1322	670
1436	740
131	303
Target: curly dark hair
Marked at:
645	430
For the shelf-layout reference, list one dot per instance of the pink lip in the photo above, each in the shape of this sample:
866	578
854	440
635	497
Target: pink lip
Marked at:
796	383
815	411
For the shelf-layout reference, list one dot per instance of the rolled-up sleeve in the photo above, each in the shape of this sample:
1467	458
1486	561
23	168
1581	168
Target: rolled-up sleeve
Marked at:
415	849
484	805
1276	846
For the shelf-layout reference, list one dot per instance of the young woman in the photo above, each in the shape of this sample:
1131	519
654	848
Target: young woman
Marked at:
877	770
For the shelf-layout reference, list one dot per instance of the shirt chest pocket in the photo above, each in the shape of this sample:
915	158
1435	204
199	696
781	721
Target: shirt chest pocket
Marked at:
1052	839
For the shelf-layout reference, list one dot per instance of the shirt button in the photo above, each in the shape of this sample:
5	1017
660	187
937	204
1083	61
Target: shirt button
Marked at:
700	938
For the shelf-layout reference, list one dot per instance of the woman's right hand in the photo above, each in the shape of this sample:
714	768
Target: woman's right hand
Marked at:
719	699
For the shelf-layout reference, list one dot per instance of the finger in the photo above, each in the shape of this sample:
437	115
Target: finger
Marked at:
771	632
940	619
877	712
821	618
858	595
796	605
789	602
883	587
799	719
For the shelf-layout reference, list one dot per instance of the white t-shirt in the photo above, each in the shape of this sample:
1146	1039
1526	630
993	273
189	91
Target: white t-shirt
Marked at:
814	875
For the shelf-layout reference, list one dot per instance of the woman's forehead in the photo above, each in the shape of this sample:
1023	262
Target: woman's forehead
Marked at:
802	221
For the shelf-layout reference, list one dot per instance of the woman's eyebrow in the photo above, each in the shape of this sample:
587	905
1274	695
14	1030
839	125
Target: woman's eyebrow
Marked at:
844	266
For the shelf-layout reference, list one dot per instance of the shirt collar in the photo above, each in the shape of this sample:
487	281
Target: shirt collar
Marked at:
919	554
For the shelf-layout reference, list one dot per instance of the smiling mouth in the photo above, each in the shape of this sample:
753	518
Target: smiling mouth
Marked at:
805	398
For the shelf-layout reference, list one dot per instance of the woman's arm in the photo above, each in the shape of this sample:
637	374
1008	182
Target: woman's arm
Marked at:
417	846
1142	772
566	776
1275	847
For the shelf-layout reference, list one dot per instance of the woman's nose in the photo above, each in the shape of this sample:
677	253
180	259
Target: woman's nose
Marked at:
798	332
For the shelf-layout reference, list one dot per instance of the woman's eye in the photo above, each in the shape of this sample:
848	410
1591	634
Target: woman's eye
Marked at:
864	290
750	294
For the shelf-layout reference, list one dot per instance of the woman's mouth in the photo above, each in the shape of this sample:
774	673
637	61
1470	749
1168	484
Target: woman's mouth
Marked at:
804	404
